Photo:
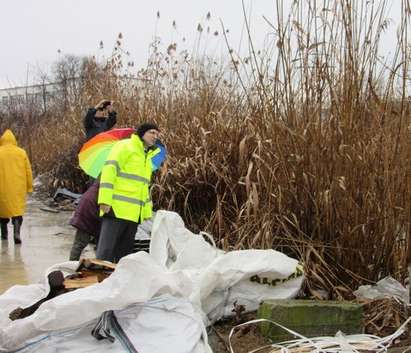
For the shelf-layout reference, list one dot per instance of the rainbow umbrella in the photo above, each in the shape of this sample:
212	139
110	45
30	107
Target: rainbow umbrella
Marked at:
94	152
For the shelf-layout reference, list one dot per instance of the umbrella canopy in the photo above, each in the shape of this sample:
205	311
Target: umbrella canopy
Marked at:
159	158
94	152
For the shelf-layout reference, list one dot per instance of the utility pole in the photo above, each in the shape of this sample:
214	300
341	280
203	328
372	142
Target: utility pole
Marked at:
28	113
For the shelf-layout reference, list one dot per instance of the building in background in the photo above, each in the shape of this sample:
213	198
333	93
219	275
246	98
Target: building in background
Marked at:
36	96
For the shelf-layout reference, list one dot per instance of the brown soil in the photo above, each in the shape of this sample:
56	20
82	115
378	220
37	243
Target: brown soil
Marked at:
244	339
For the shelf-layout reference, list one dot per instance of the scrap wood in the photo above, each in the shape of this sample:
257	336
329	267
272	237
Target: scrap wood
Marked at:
80	282
101	274
103	263
89	272
95	264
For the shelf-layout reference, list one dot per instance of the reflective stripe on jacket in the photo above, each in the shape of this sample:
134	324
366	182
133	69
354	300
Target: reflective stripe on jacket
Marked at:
125	180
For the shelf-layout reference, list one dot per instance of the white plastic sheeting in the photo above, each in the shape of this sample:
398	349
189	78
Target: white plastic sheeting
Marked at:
245	276
387	287
136	279
169	316
180	264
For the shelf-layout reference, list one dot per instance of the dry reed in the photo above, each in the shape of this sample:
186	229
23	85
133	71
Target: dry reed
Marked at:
303	147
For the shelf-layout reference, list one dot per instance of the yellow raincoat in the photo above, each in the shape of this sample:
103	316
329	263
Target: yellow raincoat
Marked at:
15	177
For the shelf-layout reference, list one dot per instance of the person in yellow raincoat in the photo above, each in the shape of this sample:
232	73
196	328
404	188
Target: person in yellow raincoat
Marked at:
15	182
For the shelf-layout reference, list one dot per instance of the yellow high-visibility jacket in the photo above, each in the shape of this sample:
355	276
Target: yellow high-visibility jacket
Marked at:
15	177
125	180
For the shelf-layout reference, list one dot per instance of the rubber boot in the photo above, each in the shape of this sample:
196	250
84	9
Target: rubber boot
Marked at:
17	226
4	232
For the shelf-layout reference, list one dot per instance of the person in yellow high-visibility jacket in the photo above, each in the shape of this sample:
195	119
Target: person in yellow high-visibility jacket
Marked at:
124	193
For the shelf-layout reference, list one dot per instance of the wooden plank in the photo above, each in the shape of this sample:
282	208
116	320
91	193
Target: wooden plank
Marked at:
86	263
103	263
81	282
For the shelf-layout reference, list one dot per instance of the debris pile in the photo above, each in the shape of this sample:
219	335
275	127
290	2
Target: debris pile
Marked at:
89	272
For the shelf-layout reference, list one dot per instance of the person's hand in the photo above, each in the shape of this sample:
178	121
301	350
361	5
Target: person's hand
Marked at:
105	208
100	104
110	107
164	169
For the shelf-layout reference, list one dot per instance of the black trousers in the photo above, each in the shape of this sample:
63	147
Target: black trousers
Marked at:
13	219
116	239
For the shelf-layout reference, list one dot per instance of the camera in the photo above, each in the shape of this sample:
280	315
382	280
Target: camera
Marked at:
106	104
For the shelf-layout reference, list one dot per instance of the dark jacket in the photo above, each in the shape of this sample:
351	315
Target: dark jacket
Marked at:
86	216
94	125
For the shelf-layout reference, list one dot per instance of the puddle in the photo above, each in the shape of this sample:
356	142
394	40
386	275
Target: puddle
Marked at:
46	240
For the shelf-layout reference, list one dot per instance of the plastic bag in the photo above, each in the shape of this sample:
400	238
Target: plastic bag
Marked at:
387	287
246	276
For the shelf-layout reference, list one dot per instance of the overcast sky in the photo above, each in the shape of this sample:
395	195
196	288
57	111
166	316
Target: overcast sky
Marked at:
34	31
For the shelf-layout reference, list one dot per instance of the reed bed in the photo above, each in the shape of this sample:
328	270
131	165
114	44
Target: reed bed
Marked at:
303	146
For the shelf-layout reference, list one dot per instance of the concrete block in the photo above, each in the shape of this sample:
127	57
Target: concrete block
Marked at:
310	318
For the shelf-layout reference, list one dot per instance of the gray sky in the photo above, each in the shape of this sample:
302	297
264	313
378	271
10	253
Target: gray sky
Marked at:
32	31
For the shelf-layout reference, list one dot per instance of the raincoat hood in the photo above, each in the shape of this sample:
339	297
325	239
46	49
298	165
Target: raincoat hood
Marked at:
8	138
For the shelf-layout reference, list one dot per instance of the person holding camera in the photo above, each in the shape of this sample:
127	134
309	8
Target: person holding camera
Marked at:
99	119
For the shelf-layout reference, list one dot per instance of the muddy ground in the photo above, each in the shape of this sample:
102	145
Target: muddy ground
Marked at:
46	240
